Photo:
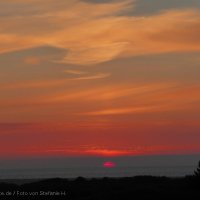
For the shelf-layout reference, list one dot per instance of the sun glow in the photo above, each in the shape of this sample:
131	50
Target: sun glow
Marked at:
109	164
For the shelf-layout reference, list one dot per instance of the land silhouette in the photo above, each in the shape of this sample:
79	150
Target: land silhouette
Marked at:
138	187
197	172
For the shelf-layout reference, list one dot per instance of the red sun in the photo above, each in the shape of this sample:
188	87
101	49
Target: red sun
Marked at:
109	164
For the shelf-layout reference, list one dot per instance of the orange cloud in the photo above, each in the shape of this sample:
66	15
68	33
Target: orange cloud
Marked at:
121	111
32	60
92	77
74	72
106	152
101	34
109	92
147	101
53	82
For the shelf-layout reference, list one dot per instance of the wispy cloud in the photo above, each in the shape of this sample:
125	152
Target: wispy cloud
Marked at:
52	82
108	152
123	111
93	77
34	84
109	92
74	72
99	35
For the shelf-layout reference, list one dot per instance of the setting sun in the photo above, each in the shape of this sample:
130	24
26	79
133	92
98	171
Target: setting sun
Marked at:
109	164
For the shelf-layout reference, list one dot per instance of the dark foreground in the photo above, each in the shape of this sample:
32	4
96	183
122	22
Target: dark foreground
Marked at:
141	187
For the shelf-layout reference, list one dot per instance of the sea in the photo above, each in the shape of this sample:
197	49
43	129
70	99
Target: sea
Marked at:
94	167
89	172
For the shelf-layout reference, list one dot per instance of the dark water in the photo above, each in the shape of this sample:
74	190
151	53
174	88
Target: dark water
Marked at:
172	171
172	166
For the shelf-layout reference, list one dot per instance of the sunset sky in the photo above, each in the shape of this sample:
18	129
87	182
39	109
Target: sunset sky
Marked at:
99	77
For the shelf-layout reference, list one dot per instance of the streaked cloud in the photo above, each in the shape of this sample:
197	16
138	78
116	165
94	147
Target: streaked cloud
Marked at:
74	72
94	54
101	34
92	77
149	101
122	111
108	152
52	82
34	84
109	92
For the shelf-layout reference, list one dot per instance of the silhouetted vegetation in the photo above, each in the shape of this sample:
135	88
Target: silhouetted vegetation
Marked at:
139	187
197	171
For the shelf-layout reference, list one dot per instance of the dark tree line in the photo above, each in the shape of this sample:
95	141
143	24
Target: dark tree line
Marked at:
197	171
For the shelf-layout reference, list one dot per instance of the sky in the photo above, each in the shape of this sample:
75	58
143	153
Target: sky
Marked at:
99	78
